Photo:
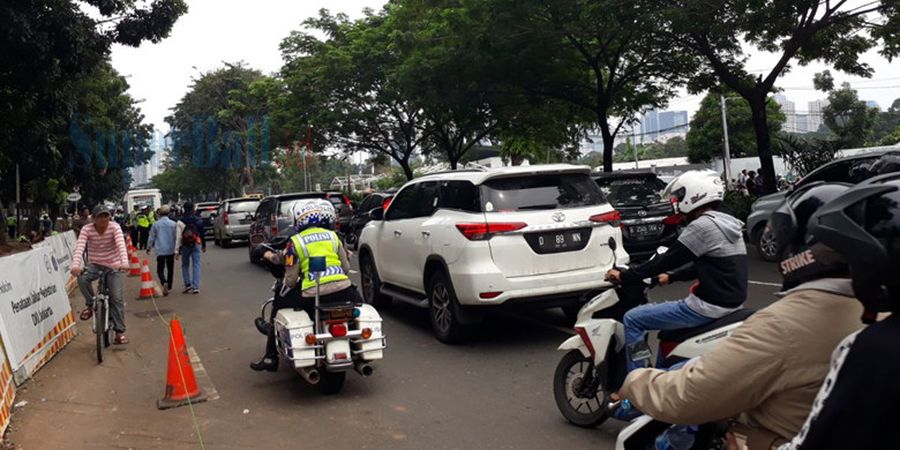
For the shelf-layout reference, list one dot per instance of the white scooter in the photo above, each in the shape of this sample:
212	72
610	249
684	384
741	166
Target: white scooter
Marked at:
322	349
594	362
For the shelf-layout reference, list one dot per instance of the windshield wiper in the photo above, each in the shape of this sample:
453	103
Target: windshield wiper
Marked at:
545	206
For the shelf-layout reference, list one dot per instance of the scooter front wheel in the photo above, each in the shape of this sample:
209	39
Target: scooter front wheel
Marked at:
579	397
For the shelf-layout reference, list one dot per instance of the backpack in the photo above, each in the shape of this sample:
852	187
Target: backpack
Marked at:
189	237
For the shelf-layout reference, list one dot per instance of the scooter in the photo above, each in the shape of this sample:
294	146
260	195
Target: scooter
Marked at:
339	338
593	365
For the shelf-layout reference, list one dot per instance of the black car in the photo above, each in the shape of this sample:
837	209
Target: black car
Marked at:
647	221
207	212
361	215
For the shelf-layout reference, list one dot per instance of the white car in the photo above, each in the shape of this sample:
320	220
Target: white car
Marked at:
458	241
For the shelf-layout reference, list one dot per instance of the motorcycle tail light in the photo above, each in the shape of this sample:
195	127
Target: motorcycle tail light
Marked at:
587	341
366	333
666	347
310	339
338	330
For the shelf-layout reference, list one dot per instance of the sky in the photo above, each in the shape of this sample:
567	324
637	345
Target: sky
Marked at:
217	31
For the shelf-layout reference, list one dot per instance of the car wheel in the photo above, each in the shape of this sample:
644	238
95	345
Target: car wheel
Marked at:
225	243
371	284
765	245
216	241
444	310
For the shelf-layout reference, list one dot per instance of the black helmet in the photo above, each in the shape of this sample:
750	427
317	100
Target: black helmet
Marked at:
803	258
863	225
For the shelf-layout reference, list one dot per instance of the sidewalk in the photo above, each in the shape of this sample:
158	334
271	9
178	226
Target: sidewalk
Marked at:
75	403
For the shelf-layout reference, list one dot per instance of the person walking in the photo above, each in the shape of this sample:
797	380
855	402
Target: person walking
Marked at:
162	239
143	225
190	242
11	224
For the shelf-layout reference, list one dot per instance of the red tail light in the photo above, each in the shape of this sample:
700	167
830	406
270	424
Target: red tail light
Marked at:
347	201
666	347
672	220
485	231
225	218
386	203
587	341
338	330
489	295
613	218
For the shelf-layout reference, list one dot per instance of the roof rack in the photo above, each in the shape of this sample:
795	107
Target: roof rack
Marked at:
467	169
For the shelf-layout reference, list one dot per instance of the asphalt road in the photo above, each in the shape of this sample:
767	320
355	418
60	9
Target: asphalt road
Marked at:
493	392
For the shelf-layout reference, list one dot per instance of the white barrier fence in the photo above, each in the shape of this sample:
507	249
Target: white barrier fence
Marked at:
36	319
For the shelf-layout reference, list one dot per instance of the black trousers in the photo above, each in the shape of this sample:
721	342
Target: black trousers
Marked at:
165	269
134	235
293	300
143	235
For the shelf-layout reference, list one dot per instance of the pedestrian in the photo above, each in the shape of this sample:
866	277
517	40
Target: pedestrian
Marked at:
742	178
11	224
753	184
162	239
83	218
132	225
190	242
106	256
143	225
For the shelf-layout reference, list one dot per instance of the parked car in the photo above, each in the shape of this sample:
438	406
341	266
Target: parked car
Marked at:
207	212
460	241
851	169
648	222
362	214
273	215
233	219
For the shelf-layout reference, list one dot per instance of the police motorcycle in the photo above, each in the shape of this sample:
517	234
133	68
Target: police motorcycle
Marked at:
338	338
593	365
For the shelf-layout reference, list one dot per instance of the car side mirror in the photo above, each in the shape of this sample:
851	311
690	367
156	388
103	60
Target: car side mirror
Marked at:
377	214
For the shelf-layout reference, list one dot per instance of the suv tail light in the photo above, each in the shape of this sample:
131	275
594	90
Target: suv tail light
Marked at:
386	203
613	218
485	231
225	218
674	219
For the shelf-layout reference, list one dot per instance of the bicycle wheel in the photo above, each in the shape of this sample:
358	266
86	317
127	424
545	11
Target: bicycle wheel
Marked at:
100	327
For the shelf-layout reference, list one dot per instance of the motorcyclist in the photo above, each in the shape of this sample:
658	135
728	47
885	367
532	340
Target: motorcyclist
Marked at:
710	249
313	221
770	368
856	406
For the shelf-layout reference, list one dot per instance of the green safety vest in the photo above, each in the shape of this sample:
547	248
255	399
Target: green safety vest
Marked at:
318	242
10	221
143	221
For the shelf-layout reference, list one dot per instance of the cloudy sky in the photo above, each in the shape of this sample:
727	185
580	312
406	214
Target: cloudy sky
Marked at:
214	31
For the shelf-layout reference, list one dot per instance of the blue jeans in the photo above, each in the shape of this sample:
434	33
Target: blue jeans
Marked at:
191	255
660	316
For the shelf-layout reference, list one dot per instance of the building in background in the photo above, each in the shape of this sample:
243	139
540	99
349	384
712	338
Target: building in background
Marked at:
656	123
142	174
790	114
816	114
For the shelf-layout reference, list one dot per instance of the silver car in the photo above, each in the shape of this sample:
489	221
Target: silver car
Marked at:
233	219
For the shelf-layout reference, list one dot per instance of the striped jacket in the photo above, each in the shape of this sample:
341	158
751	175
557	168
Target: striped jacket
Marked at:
107	249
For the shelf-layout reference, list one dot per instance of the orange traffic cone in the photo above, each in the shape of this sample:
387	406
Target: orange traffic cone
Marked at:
135	266
181	384
148	286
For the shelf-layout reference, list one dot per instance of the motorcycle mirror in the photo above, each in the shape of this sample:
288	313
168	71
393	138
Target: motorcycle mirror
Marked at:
612	243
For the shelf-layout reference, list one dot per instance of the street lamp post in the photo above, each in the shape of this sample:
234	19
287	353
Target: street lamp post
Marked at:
726	157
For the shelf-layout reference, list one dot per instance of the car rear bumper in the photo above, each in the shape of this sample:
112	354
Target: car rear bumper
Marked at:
236	232
548	289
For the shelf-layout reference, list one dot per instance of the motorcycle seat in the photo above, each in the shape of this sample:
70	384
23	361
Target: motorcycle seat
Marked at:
683	334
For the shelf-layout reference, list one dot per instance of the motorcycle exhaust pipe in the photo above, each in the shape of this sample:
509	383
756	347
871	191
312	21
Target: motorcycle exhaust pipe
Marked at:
363	369
310	375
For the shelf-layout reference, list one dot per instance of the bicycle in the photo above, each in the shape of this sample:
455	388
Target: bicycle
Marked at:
100	324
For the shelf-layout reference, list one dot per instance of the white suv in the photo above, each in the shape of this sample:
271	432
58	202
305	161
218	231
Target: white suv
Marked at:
454	242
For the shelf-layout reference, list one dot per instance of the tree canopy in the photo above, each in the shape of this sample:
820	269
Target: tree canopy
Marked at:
705	140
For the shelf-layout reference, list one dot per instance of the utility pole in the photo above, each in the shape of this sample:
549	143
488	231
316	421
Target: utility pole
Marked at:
726	158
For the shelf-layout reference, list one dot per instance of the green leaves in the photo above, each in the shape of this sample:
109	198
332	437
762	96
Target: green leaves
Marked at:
705	138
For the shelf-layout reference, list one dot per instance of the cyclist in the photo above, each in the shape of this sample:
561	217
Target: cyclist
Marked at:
106	255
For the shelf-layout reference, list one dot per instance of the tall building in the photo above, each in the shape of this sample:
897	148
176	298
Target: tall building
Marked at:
655	123
816	109
790	113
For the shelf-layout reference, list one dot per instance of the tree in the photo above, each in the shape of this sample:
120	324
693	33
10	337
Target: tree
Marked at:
804	153
848	117
886	123
344	88
607	58
831	31
221	133
705	139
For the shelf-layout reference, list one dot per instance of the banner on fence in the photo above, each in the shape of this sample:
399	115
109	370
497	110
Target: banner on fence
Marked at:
35	315
63	246
7	394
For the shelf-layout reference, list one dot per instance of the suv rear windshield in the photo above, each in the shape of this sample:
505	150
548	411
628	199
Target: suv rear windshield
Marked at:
247	206
534	192
635	191
287	204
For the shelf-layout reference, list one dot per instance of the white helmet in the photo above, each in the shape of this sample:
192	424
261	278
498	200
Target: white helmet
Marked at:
316	212
694	189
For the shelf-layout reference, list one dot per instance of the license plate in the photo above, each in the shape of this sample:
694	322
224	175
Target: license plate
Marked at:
341	314
338	356
559	241
645	230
